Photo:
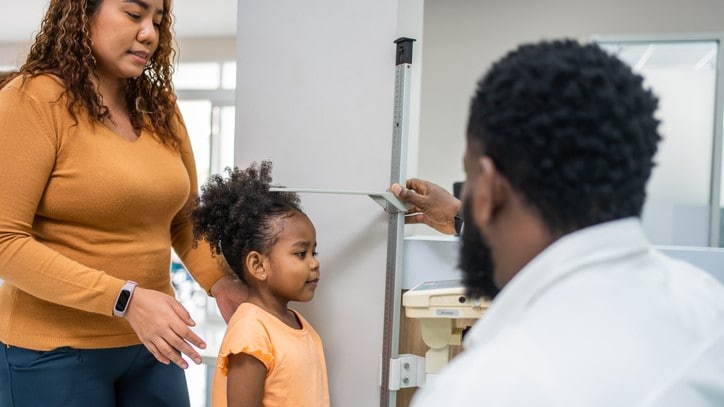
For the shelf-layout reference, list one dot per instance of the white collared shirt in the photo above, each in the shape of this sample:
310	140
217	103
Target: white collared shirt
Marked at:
598	318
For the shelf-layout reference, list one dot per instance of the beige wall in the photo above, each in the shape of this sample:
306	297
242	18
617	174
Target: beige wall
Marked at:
462	38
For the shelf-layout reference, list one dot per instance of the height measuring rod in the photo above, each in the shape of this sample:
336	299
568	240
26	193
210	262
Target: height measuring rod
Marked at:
396	220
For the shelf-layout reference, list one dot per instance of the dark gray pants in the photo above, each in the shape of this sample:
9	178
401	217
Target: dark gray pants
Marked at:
66	377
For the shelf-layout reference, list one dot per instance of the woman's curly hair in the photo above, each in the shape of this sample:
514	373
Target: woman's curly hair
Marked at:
572	128
238	214
62	48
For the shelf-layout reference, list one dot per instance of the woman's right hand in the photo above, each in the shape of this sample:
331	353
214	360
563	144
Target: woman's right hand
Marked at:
162	324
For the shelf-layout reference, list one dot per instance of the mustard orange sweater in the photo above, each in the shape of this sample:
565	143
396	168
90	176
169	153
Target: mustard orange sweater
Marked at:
81	211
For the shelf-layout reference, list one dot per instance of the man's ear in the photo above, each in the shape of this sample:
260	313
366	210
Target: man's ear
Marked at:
489	191
255	263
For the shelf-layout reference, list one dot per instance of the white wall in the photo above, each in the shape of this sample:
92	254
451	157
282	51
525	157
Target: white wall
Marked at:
463	37
315	82
13	53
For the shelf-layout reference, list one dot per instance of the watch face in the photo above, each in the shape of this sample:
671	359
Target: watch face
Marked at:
122	300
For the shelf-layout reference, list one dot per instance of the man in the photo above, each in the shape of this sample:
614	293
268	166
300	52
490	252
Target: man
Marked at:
560	144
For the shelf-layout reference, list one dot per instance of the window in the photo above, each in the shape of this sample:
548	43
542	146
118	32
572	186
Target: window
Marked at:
683	195
206	99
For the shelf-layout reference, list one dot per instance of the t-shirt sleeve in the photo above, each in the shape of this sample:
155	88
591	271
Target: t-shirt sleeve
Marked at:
246	335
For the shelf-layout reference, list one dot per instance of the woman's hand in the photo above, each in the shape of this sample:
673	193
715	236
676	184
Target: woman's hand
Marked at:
162	324
229	293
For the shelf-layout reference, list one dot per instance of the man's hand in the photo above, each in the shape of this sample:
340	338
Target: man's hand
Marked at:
431	204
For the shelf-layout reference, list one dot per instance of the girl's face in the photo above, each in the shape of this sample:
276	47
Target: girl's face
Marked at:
293	266
124	35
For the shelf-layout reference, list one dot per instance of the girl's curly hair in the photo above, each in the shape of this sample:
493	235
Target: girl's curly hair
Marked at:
238	214
63	48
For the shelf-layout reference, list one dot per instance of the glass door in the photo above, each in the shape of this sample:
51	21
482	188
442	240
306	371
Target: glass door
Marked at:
683	196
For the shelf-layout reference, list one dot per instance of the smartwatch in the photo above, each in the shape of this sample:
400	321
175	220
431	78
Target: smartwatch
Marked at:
124	298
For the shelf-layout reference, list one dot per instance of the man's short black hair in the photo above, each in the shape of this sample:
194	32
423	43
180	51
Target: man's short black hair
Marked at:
571	127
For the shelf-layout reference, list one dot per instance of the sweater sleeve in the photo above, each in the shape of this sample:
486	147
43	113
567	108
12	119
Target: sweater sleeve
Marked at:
203	266
27	158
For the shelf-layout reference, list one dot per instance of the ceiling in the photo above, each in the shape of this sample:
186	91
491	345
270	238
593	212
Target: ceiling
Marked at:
194	18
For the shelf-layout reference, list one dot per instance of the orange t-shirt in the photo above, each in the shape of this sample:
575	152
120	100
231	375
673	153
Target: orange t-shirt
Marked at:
294	358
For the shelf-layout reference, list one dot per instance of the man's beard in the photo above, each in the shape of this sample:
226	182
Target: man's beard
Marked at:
475	259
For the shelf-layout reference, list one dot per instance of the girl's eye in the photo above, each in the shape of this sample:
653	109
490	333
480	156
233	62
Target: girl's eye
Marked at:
315	254
134	16
301	254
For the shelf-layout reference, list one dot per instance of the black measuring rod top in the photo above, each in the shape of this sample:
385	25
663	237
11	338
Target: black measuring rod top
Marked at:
404	50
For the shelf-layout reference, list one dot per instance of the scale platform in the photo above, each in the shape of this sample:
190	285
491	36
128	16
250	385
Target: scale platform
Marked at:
442	299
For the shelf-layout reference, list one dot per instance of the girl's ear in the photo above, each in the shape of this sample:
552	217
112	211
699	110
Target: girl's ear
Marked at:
255	263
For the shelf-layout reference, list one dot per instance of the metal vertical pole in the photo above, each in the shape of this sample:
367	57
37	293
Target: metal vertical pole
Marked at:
715	240
396	220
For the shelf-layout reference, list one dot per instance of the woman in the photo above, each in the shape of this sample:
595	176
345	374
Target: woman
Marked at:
96	174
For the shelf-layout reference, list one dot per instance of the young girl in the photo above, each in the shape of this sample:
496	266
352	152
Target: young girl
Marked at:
270	355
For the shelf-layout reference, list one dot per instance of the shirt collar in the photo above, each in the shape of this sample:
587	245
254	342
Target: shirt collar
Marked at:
567	255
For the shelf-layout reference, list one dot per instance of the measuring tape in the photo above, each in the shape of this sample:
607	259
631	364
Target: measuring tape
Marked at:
396	221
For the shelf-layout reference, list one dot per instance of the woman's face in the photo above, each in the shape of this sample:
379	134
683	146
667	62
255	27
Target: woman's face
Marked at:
124	35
